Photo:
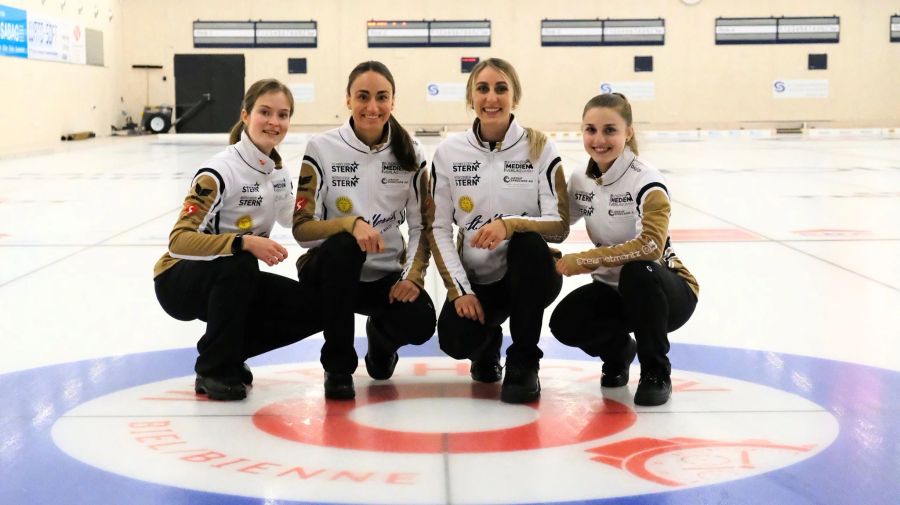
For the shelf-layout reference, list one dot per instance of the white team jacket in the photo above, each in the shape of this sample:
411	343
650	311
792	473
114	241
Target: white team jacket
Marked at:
342	179
473	185
240	191
626	212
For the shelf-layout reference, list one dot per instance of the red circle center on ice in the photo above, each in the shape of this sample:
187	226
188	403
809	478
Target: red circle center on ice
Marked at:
560	418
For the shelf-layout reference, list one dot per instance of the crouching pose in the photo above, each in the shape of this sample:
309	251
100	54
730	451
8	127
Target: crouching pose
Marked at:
358	184
639	285
504	187
211	270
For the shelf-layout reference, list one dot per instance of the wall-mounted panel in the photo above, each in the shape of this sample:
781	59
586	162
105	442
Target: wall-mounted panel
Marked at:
571	32
460	33
634	32
286	34
605	32
428	33
258	34
224	34
397	33
772	30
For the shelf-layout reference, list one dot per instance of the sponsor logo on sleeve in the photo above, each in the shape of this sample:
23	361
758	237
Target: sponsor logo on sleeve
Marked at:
201	191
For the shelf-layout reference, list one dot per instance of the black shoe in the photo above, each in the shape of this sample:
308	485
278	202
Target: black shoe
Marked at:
220	389
486	370
616	375
653	390
485	365
246	375
379	365
339	386
521	384
380	369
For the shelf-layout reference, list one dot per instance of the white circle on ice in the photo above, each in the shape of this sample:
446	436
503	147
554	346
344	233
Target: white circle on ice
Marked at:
443	415
715	429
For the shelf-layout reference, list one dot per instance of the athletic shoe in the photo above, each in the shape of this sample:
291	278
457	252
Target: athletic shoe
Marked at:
220	389
653	390
379	366
616	375
339	386
521	384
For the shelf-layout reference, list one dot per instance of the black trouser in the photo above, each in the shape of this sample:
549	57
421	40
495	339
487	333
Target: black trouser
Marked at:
651	301
333	274
529	286
247	312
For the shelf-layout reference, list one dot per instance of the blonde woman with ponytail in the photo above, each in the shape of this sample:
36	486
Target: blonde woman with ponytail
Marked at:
211	270
503	186
638	284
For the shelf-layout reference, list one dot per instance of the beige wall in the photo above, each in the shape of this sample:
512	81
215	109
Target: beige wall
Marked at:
43	100
698	84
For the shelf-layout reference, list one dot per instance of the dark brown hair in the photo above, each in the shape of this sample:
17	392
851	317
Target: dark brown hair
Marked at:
256	90
401	142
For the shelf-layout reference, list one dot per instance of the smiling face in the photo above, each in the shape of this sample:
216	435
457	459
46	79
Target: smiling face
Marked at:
604	133
370	100
493	99
268	122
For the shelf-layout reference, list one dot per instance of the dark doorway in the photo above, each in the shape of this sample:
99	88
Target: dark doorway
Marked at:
221	76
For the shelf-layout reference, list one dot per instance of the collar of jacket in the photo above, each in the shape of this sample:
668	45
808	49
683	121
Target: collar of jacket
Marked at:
514	134
254	158
348	135
616	170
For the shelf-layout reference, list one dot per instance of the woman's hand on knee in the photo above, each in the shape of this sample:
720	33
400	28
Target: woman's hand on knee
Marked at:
469	307
368	238
404	291
265	249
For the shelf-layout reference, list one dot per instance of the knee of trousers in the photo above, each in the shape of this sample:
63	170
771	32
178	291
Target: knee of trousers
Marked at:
526	249
638	276
342	248
422	325
415	325
565	329
459	338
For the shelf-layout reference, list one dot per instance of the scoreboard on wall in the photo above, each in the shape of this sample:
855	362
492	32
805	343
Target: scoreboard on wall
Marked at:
428	33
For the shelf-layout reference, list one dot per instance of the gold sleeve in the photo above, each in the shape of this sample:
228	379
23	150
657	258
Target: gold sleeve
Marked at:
308	225
648	246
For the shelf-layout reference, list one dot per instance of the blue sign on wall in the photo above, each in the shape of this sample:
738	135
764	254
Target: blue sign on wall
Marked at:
13	33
